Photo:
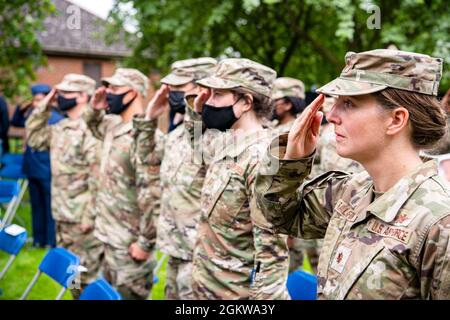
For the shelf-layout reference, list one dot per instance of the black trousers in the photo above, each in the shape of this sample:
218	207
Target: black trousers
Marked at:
41	212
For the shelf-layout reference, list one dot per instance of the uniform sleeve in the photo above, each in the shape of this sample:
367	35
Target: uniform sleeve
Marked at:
204	142
38	130
435	264
96	122
147	179
90	151
271	253
291	207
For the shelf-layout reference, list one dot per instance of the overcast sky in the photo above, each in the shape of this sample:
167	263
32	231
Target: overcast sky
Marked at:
99	7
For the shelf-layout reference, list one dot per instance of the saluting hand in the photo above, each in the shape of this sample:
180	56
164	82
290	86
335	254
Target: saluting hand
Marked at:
158	104
303	136
99	99
48	98
201	99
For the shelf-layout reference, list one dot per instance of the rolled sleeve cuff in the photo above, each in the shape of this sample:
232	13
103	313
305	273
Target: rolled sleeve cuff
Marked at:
145	244
142	124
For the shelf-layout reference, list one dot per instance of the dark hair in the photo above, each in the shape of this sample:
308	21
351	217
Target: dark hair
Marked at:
298	104
262	105
427	119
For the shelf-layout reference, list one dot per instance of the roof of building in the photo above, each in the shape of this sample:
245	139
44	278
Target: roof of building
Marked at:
74	31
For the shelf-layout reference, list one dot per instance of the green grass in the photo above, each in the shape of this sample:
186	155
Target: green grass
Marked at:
27	261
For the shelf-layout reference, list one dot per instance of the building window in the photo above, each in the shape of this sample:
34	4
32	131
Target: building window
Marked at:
93	70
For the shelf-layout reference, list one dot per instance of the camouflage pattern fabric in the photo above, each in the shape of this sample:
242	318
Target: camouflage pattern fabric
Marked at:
132	279
130	77
188	70
234	257
238	72
87	247
181	181
73	149
288	87
376	246
376	70
178	280
124	202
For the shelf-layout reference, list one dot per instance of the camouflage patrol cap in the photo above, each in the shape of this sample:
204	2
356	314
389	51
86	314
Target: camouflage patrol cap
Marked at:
241	73
129	77
188	70
375	70
77	82
288	87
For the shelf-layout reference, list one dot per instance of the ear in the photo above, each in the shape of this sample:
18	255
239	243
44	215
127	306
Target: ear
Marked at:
287	106
131	95
398	120
83	98
247	102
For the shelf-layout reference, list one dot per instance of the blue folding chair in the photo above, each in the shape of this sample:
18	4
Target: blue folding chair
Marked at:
100	290
59	264
12	239
12	158
9	195
302	285
13	171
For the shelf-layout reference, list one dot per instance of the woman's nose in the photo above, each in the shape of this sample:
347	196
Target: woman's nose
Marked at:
332	115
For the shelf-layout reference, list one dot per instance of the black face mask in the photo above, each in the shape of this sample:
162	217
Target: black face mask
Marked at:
176	102
65	104
275	115
221	118
115	102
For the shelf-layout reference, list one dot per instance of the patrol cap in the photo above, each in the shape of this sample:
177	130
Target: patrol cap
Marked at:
77	82
288	87
235	73
375	70
129	77
40	88
185	71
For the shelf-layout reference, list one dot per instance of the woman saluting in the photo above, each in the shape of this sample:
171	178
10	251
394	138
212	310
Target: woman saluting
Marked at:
386	232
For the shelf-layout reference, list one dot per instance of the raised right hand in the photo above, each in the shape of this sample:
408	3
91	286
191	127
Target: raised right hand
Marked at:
48	98
303	136
158	104
201	99
98	100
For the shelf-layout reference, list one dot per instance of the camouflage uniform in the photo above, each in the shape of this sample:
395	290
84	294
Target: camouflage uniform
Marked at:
298	248
376	246
125	192
230	246
181	182
73	149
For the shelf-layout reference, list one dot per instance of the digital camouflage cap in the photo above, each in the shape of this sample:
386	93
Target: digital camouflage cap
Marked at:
288	87
185	71
241	73
129	77
77	83
375	70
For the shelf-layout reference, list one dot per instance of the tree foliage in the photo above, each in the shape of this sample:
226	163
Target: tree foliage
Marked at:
20	51
306	39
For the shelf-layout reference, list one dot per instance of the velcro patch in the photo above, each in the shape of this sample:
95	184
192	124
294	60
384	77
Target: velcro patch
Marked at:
340	258
345	210
386	230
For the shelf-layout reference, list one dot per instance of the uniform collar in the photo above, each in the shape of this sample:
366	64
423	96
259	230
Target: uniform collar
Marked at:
122	128
388	205
235	144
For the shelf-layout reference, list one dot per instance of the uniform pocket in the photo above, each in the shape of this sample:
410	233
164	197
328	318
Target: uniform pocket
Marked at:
379	274
216	192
